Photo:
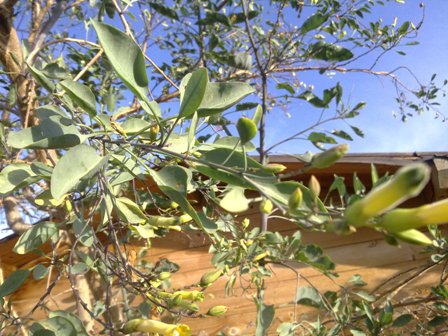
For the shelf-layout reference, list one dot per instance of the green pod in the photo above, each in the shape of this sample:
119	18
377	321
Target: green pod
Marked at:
266	206
273	168
246	128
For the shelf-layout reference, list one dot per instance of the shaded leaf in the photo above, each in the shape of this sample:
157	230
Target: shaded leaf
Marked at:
81	95
329	52
265	316
308	296
164	10
313	22
14	282
58	325
75	321
321	137
129	211
52	132
39	234
15	176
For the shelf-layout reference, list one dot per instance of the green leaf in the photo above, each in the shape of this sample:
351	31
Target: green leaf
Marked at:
314	100
358	131
52	132
231	142
79	163
40	272
321	137
314	21
219	97
234	201
135	126
164	10
192	131
81	95
48	111
286	86
15	176
39	234
402	320
125	57
257	115
13	282
75	321
42	79
129	211
342	134
329	52
58	325
145	231
193	93
83	232
308	296
265	316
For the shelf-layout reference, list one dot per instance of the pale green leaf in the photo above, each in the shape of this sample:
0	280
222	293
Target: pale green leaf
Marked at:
79	163
129	211
234	201
15	176
58	325
75	321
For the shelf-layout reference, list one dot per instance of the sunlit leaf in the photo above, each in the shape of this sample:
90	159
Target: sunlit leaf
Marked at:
193	93
39	234
125	57
234	201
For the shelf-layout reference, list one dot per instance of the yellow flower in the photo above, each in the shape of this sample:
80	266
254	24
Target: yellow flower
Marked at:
156	327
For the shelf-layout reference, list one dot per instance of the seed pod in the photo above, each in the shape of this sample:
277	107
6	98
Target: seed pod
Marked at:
262	255
329	157
210	277
273	168
266	206
194	295
295	199
405	219
414	237
217	311
247	129
406	183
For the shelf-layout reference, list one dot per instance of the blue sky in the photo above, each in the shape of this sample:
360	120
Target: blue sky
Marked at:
384	132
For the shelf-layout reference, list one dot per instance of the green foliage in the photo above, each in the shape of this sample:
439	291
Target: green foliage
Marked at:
117	166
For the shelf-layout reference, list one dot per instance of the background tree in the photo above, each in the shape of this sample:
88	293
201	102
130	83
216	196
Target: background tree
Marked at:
82	123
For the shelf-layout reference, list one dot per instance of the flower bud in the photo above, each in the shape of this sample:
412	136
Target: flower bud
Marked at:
314	186
153	132
164	276
217	311
155	327
295	199
273	168
413	237
210	277
329	157
406	183
266	206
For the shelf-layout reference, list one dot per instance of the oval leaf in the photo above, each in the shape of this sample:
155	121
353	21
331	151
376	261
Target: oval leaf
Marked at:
78	163
35	237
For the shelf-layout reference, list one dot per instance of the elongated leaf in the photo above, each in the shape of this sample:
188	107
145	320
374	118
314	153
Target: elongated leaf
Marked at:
39	234
13	282
48	111
329	52
81	95
321	137
125	57
191	97
52	132
164	10
221	96
313	22
79	163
